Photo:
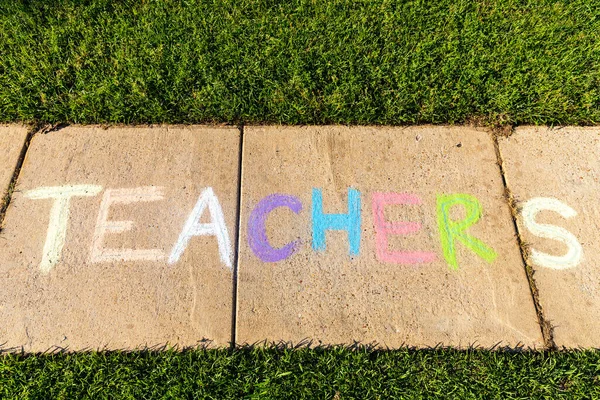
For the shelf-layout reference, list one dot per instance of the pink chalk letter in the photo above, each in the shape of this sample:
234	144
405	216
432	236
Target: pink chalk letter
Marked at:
383	229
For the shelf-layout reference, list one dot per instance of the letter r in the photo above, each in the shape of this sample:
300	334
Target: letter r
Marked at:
452	231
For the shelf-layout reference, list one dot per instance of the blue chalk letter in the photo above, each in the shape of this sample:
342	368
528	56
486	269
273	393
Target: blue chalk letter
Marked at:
342	222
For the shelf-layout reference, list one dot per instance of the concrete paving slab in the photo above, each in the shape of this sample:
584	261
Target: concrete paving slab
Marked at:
121	238
399	236
12	139
555	177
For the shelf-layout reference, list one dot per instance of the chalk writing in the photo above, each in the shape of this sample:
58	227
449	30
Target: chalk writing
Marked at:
383	229
451	230
350	222
103	226
216	228
59	217
575	252
257	235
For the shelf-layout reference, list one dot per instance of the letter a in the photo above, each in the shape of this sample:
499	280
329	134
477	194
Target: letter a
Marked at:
216	227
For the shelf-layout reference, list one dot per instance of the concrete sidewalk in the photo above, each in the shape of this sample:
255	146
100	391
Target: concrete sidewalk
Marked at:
126	237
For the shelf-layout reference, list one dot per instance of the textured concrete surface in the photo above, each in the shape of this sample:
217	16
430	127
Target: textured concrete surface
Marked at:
89	256
415	282
554	175
12	139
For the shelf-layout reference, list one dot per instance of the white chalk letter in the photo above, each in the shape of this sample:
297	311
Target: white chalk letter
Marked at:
216	227
575	252
103	225
59	217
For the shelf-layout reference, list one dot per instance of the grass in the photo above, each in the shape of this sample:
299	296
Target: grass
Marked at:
300	61
334	373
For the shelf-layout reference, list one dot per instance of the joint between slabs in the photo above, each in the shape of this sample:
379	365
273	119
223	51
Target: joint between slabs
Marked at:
238	230
5	202
545	326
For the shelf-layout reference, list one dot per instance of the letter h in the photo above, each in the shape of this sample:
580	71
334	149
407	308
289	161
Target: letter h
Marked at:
349	222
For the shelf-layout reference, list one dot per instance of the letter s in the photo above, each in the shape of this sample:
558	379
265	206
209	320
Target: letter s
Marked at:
575	252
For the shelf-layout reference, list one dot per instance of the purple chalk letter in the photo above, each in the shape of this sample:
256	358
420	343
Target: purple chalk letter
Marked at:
257	234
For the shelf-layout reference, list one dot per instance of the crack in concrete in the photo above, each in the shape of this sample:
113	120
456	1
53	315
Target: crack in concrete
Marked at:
545	325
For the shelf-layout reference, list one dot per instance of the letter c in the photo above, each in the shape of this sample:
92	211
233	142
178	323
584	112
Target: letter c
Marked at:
257	234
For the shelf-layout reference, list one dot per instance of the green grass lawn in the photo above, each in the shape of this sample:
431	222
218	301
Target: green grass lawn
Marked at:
292	61
303	373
